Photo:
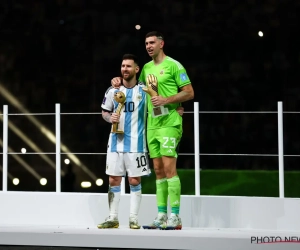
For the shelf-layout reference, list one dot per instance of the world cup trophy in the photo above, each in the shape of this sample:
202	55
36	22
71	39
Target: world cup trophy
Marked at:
120	98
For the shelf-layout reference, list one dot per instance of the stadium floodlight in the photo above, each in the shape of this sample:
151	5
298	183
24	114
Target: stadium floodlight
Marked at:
99	182
45	131
22	162
86	184
16	181
43	181
29	142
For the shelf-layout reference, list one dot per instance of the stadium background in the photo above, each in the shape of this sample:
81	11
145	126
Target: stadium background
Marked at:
66	52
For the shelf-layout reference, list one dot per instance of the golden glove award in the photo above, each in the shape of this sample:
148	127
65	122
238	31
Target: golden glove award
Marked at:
152	89
151	85
120	98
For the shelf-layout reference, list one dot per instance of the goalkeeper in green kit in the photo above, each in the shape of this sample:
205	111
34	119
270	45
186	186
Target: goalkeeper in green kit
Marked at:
164	77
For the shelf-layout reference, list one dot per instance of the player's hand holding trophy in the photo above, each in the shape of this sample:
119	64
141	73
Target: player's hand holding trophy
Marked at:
151	85
152	89
120	98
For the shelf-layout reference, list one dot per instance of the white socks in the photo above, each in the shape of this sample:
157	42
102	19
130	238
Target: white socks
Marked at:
114	193
135	199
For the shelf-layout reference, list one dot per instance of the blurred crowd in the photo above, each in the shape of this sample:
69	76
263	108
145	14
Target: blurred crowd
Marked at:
66	51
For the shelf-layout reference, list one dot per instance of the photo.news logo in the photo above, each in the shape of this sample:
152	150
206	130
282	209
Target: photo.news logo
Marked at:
274	239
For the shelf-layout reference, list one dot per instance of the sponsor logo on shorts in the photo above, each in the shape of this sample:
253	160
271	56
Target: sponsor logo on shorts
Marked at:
170	151
144	169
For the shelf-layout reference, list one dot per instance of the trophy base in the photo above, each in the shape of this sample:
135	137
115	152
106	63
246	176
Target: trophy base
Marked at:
118	132
159	111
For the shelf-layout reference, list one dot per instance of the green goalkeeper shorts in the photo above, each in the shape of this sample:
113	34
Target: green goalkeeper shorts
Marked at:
164	141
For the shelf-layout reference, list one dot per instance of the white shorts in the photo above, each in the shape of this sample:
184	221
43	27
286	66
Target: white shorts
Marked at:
134	164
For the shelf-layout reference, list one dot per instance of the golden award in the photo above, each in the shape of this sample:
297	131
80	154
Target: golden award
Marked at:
120	98
152	89
151	85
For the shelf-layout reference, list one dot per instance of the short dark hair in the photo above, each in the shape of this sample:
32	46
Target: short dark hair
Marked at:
155	33
131	57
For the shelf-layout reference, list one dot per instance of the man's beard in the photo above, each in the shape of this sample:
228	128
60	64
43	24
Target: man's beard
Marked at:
127	78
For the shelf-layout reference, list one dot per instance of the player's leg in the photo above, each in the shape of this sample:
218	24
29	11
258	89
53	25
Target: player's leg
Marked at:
115	170
136	166
161	181
174	191
135	201
170	138
114	195
114	192
161	186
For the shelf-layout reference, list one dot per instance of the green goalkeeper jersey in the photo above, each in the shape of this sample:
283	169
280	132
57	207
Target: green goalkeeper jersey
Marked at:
171	76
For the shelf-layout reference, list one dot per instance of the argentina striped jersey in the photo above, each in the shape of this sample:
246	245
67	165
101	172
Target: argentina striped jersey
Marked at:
132	119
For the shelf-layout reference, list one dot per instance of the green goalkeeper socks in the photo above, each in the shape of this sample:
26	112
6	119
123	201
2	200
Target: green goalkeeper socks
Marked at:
174	189
162	195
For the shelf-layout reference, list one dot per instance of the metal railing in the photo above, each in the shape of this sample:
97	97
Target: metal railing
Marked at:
196	154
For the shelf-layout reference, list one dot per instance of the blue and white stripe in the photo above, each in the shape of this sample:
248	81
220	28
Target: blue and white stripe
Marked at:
132	123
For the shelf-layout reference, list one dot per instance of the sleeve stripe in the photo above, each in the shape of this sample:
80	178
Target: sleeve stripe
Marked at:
176	62
105	110
108	89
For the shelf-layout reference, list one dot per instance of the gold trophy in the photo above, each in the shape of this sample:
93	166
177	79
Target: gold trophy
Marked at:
120	98
151	85
152	89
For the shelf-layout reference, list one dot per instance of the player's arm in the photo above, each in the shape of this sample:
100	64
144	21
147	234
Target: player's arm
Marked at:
110	117
186	90
184	84
106	115
108	107
186	93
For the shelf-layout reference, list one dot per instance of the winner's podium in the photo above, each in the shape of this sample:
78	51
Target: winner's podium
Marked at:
209	222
